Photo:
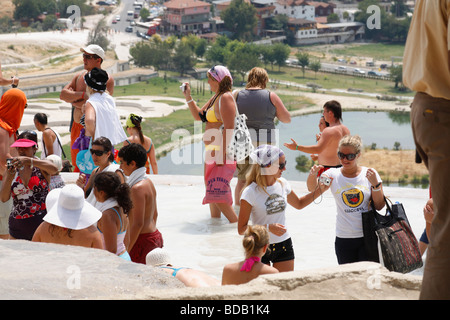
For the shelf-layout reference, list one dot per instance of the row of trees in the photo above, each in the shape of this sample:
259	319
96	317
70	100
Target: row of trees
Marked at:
31	9
182	55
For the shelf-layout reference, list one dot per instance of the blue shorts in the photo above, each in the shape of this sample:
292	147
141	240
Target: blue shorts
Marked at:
423	237
279	252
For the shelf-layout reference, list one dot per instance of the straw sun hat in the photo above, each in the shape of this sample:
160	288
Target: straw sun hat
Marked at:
157	257
67	208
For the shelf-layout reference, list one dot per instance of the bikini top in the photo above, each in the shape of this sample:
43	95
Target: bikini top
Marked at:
209	115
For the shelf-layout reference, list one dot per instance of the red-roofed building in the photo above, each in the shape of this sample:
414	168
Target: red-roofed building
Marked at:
187	16
322	8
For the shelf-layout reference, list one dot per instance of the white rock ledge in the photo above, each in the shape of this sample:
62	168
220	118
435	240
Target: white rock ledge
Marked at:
49	271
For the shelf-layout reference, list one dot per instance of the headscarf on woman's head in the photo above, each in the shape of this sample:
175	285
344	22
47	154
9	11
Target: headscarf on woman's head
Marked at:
12	106
220	72
265	155
133	118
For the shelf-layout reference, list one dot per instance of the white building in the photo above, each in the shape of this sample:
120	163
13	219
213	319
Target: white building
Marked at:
295	9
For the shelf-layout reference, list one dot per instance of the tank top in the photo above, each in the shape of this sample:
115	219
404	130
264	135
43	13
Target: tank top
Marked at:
29	200
120	236
260	112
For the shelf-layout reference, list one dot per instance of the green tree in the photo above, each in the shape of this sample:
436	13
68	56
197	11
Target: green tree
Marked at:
303	60
243	58
217	52
144	14
26	9
240	19
315	66
281	53
99	35
142	54
183	59
333	18
200	47
396	74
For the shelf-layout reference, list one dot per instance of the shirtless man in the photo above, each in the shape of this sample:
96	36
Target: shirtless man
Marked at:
75	93
142	231
327	145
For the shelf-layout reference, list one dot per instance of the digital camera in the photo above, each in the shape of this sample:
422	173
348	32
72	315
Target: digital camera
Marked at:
9	164
183	87
325	180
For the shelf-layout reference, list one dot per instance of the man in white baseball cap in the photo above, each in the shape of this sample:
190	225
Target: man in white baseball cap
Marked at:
75	93
94	49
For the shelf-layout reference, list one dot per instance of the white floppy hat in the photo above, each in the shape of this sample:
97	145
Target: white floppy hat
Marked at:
71	210
56	160
157	257
94	49
52	198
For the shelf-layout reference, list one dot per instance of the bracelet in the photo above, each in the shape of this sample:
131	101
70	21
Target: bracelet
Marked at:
189	101
376	189
378	184
296	147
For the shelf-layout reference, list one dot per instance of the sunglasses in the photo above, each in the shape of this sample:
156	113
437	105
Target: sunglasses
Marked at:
213	73
350	156
98	153
89	57
282	165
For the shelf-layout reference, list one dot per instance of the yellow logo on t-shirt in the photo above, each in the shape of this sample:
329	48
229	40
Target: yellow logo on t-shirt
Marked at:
353	197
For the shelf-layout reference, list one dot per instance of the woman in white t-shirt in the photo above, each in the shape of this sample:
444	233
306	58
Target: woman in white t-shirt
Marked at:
352	186
264	200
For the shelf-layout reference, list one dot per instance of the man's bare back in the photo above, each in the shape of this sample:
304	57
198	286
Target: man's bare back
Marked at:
144	213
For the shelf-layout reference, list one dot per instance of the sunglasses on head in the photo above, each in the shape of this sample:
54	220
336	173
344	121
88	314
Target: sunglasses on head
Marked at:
98	153
89	56
213	72
350	156
282	165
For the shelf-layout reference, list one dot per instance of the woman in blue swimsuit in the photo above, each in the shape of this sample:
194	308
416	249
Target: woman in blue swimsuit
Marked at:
114	202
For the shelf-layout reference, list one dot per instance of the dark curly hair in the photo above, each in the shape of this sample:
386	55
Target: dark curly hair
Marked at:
134	152
110	183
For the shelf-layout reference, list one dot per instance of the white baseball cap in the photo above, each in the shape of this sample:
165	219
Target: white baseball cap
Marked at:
94	49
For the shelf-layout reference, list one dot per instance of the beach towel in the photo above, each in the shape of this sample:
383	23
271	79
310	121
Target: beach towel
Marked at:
136	176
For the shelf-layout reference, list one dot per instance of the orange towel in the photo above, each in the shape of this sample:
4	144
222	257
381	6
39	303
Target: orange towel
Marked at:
12	106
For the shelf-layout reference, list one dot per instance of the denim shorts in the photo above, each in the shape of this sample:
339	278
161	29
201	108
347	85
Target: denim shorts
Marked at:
279	252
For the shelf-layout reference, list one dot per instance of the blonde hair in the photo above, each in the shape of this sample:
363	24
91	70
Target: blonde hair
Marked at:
257	77
351	141
255	238
255	175
91	91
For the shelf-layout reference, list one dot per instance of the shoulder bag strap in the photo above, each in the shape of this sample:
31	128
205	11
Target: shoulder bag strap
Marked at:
59	142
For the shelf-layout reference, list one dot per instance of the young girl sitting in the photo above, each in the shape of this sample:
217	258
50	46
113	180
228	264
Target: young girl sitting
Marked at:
256	242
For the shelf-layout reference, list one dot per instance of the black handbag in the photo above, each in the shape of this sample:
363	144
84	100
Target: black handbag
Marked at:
399	246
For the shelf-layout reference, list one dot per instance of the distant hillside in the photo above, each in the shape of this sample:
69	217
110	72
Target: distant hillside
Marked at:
6	8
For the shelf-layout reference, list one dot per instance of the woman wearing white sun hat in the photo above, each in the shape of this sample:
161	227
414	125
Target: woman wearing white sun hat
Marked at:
70	219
